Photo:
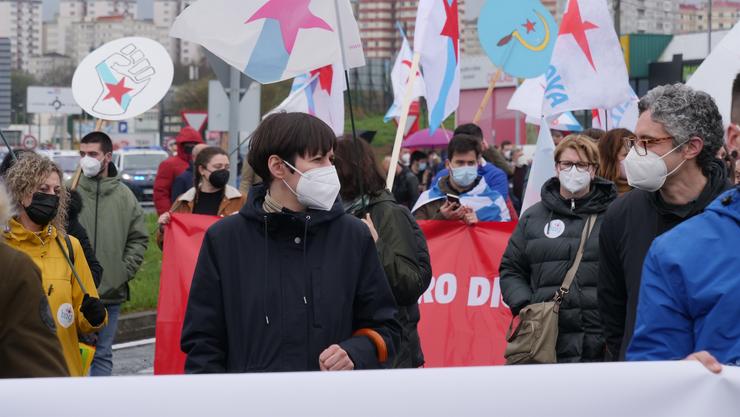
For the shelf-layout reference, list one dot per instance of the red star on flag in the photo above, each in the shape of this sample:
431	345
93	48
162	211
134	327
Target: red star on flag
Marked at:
573	24
529	26
116	91
293	15
326	76
451	27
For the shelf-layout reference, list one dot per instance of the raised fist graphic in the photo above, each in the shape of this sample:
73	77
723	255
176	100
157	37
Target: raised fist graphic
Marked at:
123	75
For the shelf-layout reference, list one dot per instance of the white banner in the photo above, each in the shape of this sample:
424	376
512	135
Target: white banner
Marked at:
655	389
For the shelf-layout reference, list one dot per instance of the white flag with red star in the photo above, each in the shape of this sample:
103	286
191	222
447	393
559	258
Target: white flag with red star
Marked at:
319	93
587	70
437	40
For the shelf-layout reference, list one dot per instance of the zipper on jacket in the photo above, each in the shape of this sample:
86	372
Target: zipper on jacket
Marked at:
572	204
97	197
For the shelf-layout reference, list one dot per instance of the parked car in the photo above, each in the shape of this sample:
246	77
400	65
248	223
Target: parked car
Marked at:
68	161
138	167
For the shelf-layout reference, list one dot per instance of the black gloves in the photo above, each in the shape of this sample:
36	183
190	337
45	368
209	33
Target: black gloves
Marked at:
93	310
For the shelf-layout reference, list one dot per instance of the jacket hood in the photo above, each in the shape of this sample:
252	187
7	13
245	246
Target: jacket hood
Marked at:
384	196
602	193
187	135
728	204
253	211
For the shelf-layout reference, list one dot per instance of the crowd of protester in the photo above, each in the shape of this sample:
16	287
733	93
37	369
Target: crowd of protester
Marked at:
316	265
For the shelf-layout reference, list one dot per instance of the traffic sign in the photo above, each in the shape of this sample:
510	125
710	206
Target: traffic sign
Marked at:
122	127
29	142
195	118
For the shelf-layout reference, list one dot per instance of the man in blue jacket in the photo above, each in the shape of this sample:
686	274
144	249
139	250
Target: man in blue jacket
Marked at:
690	288
291	283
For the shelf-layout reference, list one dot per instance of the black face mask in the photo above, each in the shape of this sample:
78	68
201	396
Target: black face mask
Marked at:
219	178
188	148
43	208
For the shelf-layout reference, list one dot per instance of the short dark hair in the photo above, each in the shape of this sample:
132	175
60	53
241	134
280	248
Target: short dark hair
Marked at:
506	142
106	145
462	143
288	135
470	129
357	169
417	156
202	160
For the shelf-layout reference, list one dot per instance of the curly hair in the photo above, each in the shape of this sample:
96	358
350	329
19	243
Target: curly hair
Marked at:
686	113
25	177
6	208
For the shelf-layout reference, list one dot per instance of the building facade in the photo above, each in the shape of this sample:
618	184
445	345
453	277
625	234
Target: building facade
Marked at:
695	17
42	65
20	21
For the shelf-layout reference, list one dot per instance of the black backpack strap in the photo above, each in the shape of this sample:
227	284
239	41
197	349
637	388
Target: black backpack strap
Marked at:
70	251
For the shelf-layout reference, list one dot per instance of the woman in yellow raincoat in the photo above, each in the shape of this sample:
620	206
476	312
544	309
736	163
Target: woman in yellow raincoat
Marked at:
37	229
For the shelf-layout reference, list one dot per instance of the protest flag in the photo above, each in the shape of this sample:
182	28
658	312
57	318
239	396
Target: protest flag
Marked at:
543	167
587	70
182	241
319	93
274	40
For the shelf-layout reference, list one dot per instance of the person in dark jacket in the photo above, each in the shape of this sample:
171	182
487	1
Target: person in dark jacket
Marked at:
74	228
400	242
184	181
291	283
405	186
544	245
671	163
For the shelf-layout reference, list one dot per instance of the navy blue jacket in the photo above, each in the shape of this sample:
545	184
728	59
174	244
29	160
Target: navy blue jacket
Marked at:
690	288
271	291
182	183
495	177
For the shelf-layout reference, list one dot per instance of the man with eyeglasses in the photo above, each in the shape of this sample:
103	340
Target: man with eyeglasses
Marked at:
672	165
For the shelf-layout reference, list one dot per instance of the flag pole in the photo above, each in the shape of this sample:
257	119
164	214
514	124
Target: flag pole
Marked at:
487	97
355	139
402	120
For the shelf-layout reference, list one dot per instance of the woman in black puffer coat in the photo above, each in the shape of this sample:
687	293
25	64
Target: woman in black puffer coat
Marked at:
544	246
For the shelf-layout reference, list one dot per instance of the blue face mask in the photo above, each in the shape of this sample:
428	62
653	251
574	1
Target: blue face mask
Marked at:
464	176
422	166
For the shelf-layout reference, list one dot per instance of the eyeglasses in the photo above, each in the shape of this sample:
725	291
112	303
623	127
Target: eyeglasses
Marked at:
641	144
580	166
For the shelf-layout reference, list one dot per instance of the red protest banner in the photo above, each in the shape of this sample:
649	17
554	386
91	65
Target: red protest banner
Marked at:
182	240
463	317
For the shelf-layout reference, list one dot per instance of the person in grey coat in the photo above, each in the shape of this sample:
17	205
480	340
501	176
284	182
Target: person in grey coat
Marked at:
544	246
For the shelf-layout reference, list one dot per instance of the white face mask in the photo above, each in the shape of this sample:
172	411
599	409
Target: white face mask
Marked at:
406	159
464	176
648	172
574	180
91	167
317	188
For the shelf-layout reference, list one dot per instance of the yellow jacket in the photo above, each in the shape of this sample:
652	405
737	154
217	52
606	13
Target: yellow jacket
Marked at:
59	284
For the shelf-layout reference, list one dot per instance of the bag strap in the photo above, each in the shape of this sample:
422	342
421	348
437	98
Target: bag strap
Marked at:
70	250
70	263
571	274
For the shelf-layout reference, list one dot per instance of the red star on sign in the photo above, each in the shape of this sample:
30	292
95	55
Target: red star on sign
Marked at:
529	25
326	76
116	91
574	25
451	27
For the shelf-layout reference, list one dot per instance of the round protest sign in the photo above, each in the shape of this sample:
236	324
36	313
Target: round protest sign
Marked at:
123	78
518	36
